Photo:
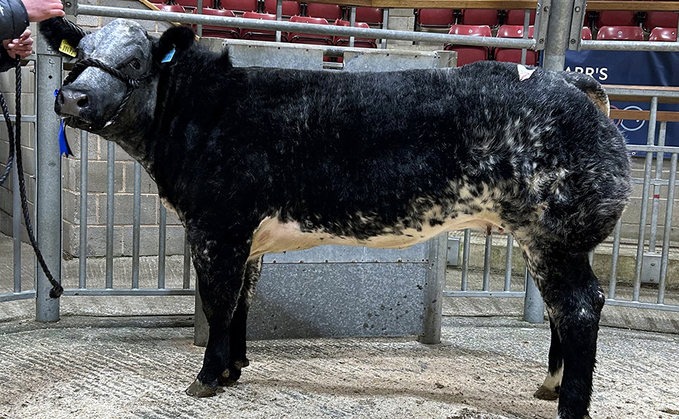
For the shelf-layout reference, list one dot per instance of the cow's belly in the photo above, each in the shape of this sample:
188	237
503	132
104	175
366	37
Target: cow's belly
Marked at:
272	236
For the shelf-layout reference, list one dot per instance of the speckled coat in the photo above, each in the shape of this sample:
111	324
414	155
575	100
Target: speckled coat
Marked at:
257	160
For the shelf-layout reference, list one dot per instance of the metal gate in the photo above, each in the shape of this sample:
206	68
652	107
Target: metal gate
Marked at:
493	276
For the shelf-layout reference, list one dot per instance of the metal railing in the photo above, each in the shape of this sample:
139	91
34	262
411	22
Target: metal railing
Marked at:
513	285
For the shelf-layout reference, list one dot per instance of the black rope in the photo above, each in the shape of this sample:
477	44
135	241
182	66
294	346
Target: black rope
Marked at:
15	147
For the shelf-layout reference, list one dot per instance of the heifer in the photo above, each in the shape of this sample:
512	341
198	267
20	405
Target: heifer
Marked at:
259	160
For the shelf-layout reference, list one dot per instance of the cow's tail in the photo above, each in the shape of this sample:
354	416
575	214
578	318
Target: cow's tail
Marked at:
591	88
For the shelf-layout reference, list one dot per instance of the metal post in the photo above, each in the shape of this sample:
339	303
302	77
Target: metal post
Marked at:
17	228
48	176
558	31
199	28
433	299
279	17
352	22
534	307
82	275
385	21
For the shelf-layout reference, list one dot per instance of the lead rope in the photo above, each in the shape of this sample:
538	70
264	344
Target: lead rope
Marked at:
15	147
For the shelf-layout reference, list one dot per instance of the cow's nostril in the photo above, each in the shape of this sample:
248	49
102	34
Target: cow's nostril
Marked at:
82	102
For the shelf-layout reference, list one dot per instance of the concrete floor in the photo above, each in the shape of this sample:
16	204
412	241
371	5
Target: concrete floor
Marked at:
138	367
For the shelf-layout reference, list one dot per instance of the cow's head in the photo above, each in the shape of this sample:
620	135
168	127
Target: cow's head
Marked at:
112	88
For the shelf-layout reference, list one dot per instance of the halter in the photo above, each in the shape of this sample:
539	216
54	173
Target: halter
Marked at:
131	83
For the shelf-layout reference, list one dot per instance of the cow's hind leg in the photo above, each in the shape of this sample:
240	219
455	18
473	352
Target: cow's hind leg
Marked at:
549	390
220	268
238	327
574	299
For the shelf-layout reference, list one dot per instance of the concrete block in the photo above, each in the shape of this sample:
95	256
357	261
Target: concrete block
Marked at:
71	207
401	13
88	21
148	185
96	240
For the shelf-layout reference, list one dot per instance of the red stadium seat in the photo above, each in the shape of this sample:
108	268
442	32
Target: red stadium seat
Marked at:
171	8
239	6
663	35
435	18
480	17
616	18
514	55
661	20
515	17
219	31
187	3
620	33
369	15
290	8
343	41
326	11
308	38
469	54
260	34
586	33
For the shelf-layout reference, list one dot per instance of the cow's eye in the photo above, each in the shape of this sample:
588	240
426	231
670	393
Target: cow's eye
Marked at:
136	64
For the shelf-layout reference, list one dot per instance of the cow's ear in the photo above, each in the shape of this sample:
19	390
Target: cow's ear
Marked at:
172	44
62	34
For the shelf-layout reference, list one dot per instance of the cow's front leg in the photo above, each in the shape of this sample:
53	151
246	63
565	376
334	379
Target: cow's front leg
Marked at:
220	267
574	299
549	390
238	326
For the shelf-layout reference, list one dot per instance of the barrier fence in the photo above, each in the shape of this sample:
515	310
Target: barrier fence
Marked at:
499	271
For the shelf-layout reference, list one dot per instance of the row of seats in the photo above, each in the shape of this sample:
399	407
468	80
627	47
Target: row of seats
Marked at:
330	12
470	54
266	35
443	18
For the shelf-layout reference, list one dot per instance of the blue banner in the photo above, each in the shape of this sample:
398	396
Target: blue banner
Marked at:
638	68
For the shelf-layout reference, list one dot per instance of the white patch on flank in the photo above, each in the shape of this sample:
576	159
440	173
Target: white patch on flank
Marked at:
554	381
272	236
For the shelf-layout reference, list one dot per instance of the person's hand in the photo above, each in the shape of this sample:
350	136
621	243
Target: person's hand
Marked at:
39	10
21	46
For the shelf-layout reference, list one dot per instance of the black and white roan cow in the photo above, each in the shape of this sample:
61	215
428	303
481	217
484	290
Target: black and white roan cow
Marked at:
258	160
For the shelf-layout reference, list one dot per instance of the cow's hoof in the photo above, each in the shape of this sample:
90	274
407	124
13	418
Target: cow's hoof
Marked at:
232	374
198	390
545	393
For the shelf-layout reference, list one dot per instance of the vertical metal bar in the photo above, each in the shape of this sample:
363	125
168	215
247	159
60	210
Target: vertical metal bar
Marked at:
279	17
385	24
558	30
16	228
110	190
533	307
162	238
662	284
487	254
614	260
526	24
508	262
48	180
199	28
465	260
435	279
352	22
136	225
659	158
644	199
187	264
82	274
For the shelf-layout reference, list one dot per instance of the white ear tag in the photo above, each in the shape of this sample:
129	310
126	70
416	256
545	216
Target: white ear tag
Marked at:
524	73
168	57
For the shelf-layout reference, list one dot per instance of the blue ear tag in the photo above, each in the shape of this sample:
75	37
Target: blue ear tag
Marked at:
63	143
168	57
